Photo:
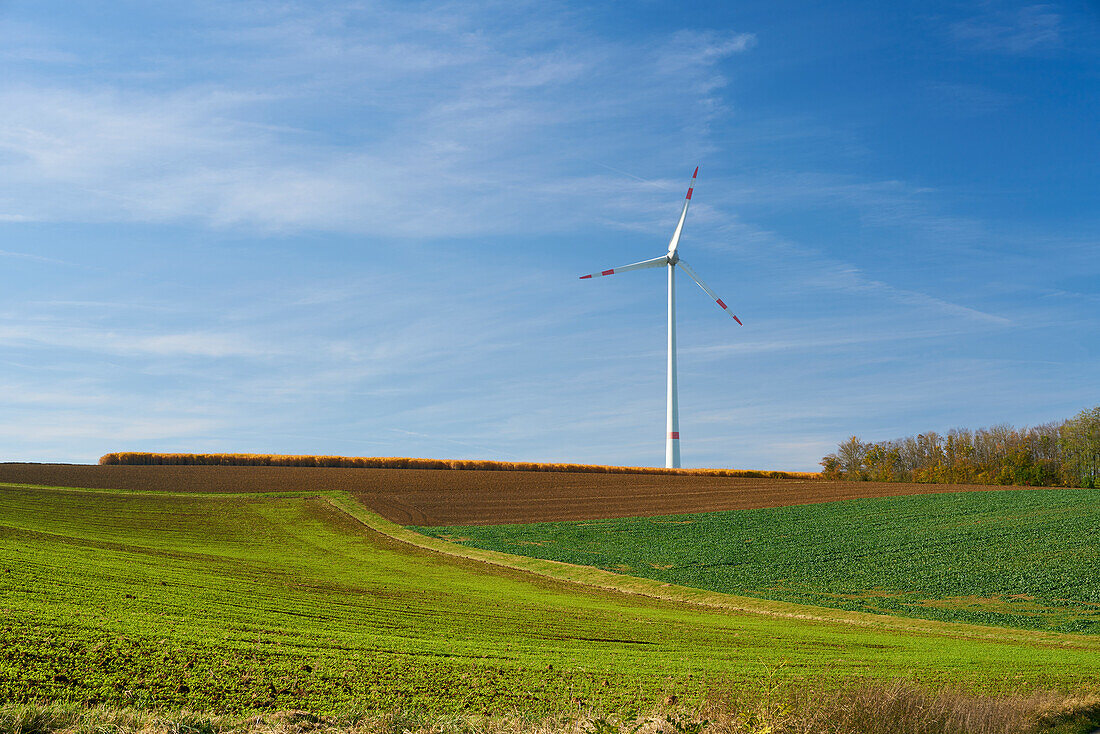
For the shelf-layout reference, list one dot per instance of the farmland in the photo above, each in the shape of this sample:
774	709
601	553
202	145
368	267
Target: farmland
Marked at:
440	497
274	588
234	603
273	600
1016	558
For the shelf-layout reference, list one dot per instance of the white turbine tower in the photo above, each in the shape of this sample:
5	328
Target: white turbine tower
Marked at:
670	260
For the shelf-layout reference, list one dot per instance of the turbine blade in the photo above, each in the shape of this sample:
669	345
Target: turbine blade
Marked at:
675	241
691	274
654	263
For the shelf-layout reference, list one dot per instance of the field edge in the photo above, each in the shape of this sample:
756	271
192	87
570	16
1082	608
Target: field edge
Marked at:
144	458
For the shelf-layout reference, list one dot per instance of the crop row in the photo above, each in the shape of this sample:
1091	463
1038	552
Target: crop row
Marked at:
1017	558
240	604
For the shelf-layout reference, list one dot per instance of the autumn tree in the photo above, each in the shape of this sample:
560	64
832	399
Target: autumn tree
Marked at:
1080	444
851	454
1051	454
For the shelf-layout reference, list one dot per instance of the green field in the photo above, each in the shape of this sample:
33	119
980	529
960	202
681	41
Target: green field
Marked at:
240	603
1026	559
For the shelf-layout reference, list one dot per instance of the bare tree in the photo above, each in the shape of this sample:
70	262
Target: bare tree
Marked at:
851	453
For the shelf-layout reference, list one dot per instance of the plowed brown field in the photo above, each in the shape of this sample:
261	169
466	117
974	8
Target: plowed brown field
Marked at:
433	497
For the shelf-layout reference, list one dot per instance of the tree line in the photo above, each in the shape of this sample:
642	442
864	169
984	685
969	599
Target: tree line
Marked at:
1058	454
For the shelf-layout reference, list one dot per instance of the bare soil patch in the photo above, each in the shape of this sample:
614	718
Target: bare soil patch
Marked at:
461	497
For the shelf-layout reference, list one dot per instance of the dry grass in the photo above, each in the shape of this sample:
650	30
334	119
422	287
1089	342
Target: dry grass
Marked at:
894	708
901	707
135	458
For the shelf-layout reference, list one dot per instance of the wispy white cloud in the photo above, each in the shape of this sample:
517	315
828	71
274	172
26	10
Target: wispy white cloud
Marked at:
30	44
133	342
966	99
35	258
73	426
853	280
819	336
1017	31
878	204
450	153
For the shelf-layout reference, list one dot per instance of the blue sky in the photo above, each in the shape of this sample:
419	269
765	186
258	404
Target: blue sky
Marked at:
356	228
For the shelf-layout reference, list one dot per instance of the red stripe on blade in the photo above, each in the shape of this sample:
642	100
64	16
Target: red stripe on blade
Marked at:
689	191
720	303
608	272
674	434
585	276
737	319
696	172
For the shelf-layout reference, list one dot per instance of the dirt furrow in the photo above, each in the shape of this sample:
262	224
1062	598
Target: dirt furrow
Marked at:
453	497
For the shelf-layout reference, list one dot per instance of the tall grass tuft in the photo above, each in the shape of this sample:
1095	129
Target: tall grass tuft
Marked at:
135	458
902	707
898	707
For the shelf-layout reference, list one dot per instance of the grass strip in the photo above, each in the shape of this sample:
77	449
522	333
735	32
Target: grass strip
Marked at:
892	708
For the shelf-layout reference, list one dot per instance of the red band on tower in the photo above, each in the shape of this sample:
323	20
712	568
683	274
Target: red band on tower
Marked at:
674	434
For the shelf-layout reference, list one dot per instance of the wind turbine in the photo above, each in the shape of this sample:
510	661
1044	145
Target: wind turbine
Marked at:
670	260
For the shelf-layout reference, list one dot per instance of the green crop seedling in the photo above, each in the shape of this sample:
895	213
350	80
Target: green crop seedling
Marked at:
228	603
